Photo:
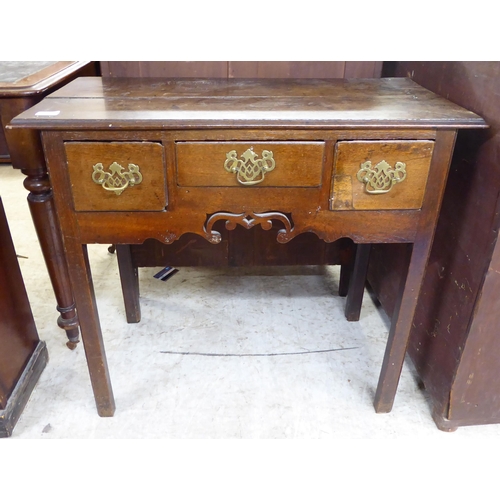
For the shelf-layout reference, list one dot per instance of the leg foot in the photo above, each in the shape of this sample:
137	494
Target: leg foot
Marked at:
443	424
68	320
72	345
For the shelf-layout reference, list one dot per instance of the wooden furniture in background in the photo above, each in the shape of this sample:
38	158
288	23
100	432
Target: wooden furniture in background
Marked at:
252	134
23	84
22	355
455	345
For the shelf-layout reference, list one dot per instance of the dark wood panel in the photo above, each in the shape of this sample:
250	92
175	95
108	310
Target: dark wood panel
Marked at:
286	69
23	389
188	250
4	151
242	247
120	68
18	334
243	69
476	387
363	69
260	248
180	69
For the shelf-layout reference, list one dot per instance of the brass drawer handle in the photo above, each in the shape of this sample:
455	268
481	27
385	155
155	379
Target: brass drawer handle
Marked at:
381	178
116	181
250	170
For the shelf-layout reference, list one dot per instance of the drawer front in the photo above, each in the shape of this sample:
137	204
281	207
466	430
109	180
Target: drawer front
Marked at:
117	176
380	175
248	164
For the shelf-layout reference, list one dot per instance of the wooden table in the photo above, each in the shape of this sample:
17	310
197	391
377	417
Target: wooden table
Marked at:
136	159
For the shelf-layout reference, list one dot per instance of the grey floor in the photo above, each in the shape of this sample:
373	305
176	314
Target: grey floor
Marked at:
218	354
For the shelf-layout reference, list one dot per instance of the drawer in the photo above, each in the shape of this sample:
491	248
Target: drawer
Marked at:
116	176
380	175
247	164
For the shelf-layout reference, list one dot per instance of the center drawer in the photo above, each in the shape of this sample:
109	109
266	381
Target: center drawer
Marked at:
248	164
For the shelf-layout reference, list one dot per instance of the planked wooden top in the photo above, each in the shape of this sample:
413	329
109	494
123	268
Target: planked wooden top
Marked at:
137	103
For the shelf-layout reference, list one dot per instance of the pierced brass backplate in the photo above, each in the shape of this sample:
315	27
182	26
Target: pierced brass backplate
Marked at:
381	178
116	180
249	170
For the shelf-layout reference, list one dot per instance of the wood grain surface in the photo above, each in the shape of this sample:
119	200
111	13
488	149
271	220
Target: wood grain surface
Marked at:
149	194
351	193
146	103
297	164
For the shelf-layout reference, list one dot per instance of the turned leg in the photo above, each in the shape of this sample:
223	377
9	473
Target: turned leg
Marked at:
357	282
44	217
129	277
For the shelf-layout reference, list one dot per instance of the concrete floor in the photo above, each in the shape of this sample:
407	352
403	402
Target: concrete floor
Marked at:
219	353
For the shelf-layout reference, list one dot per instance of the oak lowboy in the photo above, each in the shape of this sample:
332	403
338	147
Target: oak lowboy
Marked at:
135	159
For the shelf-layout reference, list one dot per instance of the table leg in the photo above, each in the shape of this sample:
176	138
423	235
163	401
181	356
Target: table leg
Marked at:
81	280
44	217
417	256
357	282
129	278
345	276
399	333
